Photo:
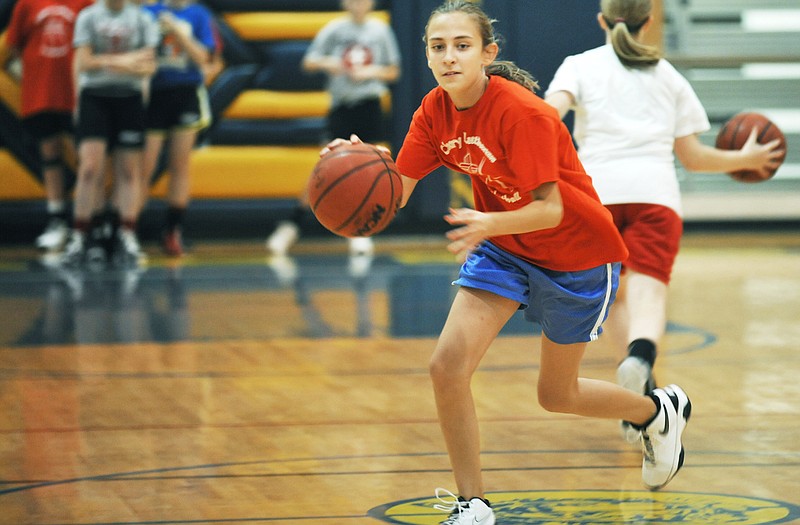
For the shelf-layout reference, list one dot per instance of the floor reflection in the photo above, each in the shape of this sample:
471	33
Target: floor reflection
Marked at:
316	296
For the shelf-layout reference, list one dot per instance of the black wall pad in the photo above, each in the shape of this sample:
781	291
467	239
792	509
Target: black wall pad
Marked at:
260	132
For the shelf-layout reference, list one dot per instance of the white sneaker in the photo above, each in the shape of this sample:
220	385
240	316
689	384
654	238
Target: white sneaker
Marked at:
636	375
359	265
284	236
285	269
361	246
54	235
473	512
75	250
661	439
128	250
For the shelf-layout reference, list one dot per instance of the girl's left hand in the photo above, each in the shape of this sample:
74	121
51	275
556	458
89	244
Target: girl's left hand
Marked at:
476	228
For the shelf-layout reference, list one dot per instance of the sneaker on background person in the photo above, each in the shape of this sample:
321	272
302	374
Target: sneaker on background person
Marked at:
284	236
54	235
75	251
361	246
285	269
172	242
128	252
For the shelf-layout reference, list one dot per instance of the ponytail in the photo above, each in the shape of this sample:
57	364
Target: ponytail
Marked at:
625	18
630	51
510	71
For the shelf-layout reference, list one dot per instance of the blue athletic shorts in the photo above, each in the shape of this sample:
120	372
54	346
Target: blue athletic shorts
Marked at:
569	306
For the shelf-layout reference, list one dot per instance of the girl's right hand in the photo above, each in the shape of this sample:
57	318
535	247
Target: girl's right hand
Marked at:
335	143
764	158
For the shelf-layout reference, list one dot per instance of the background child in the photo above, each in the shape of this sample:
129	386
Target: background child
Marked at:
632	111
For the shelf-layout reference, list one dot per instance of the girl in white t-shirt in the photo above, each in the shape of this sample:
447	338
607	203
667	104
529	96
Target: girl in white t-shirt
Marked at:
633	114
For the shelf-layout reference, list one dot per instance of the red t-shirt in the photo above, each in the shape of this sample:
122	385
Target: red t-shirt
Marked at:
42	31
510	143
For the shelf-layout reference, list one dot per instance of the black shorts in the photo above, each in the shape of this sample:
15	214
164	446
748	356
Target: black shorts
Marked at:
119	120
48	124
178	108
364	118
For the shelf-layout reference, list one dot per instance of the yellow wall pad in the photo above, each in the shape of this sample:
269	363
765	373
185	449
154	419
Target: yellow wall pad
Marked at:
249	171
266	104
10	92
284	25
18	182
9	86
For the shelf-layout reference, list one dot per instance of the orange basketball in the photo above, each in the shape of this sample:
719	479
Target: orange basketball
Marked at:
734	133
355	190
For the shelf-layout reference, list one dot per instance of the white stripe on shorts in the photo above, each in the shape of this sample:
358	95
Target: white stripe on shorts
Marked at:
594	335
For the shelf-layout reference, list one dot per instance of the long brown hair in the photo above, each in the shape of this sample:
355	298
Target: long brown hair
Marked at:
625	19
502	68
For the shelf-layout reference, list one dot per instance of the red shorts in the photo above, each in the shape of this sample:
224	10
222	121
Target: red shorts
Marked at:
652	234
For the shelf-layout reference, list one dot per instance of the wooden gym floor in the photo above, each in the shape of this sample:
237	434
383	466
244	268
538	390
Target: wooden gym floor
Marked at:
230	387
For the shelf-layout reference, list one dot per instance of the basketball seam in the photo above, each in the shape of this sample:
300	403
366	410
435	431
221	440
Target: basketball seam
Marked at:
339	180
357	210
391	206
731	133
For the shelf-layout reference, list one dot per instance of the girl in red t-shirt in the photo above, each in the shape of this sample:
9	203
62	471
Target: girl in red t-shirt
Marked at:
40	34
538	239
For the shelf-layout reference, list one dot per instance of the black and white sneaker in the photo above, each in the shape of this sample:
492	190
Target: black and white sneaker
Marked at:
128	253
54	235
75	251
662	448
476	511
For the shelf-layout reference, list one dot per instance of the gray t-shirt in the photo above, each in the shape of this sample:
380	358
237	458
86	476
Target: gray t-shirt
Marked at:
107	31
372	42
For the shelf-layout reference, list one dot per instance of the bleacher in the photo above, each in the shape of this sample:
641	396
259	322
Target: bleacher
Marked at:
740	55
269	114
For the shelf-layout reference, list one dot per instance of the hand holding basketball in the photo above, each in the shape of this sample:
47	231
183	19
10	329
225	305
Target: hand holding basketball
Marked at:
355	189
749	131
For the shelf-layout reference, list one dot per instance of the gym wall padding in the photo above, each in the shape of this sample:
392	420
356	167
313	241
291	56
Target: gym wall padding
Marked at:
272	104
9	87
260	26
17	181
262	149
251	172
266	104
282	69
267	132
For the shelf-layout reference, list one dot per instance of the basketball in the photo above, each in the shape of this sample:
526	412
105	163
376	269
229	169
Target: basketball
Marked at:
734	134
355	190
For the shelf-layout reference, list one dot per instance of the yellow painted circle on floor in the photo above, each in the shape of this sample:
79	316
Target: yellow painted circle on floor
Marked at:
606	507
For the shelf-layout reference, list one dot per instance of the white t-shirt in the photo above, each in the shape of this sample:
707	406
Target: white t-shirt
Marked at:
372	42
626	123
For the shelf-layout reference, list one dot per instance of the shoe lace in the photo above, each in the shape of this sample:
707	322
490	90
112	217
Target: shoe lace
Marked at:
647	449
450	503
